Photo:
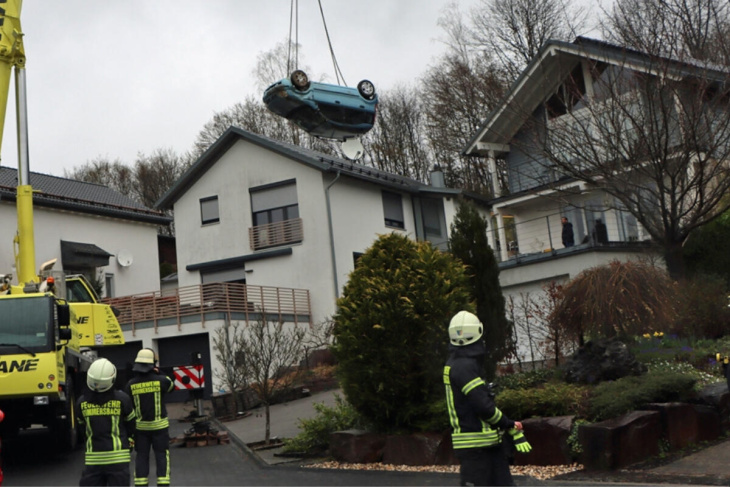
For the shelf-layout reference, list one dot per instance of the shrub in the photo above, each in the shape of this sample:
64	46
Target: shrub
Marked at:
315	432
612	399
524	380
621	299
391	339
703	311
551	399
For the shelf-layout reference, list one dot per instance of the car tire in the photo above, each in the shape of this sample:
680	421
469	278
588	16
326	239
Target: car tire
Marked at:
366	89
299	79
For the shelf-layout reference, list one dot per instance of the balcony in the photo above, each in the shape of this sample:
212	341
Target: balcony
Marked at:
212	301
530	240
276	234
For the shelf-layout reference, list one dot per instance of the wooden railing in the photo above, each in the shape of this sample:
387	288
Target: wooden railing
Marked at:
237	301
275	234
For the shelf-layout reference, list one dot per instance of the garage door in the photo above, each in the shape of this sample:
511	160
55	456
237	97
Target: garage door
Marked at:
122	356
177	351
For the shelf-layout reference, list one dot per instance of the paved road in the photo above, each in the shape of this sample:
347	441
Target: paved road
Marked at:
29	461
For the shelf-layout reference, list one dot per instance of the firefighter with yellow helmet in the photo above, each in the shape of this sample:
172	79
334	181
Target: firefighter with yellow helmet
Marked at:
108	416
148	389
475	419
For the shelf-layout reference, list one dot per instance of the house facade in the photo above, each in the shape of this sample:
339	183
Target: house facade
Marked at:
90	229
271	229
578	102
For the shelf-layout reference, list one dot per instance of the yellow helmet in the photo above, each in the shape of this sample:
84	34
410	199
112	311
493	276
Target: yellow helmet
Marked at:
101	375
465	329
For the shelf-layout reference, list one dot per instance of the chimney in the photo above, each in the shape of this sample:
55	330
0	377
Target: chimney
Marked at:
437	177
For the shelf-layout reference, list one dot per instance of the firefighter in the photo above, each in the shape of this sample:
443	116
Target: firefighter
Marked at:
476	422
108	416
148	389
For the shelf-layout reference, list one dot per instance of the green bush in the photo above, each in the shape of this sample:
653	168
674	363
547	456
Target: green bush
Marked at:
524	380
614	398
550	399
391	330
314	436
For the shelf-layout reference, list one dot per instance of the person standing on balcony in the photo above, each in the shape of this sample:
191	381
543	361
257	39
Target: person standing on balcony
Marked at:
568	240
600	232
148	389
476	421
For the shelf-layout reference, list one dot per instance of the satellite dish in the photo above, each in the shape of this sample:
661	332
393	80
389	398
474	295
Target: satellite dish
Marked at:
124	257
352	148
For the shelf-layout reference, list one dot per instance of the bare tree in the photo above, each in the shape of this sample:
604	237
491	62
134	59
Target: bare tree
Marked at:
696	29
514	30
268	355
527	326
458	92
397	143
227	344
100	170
156	173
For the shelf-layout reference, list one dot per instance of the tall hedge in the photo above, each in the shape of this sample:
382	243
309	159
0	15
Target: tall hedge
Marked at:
390	331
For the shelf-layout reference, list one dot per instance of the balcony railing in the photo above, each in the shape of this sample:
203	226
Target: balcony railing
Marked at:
529	238
275	234
196	303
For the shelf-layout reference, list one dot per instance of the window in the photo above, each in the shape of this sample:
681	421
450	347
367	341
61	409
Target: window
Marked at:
209	210
274	204
393	210
275	215
109	285
569	96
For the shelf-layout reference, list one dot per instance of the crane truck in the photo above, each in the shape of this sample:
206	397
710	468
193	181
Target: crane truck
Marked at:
47	340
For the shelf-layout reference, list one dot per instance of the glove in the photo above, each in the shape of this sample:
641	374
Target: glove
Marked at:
131	444
521	443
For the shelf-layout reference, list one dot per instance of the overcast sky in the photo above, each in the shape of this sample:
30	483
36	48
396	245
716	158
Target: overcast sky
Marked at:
115	78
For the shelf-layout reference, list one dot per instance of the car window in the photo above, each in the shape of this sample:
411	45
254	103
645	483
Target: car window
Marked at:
350	116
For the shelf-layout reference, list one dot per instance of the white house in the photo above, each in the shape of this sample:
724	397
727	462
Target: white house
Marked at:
280	228
566	88
89	229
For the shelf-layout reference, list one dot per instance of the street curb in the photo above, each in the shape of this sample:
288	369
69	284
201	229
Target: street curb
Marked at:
242	445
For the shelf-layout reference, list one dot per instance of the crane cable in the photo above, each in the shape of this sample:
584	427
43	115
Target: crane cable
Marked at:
292	17
294	28
338	73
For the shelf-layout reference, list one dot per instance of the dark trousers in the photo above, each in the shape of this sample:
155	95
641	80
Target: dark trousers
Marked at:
114	474
159	441
484	466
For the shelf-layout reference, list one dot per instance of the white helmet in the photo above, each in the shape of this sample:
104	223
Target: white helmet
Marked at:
465	329
101	375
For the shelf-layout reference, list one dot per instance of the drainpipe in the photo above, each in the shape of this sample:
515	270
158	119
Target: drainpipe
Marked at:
332	234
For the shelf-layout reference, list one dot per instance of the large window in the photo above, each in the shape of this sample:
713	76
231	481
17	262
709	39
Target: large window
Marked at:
393	210
275	214
209	210
274	204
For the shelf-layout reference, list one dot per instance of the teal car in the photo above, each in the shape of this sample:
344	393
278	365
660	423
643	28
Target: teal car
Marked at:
324	110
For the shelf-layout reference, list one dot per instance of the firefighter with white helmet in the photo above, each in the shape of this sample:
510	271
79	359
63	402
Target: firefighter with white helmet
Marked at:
108	417
475	419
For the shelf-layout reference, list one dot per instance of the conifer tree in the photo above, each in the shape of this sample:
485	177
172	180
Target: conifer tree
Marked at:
469	243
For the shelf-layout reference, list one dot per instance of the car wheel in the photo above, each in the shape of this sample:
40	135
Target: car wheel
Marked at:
299	79
366	89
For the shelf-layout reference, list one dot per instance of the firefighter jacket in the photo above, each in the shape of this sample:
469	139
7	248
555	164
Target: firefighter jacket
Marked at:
473	415
147	391
109	421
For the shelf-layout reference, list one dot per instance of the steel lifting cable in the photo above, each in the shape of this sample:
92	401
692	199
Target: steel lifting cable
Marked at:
293	19
338	73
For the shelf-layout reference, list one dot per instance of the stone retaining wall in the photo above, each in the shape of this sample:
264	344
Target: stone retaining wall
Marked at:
606	445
